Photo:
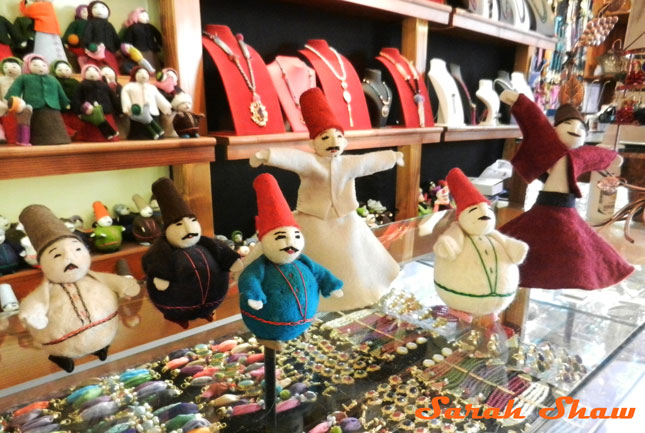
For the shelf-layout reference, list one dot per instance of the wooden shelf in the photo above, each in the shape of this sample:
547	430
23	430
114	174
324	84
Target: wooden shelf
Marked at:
19	162
242	147
24	281
476	24
471	133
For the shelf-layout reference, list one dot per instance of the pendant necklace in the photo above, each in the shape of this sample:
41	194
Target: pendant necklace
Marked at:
342	77
259	113
413	83
296	101
385	110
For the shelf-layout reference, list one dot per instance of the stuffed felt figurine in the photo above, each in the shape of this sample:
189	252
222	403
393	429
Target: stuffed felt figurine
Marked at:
107	236
168	84
327	205
77	230
564	251
96	104
101	40
47	98
144	227
143	36
122	121
9	38
156	210
16	119
279	291
62	70
187	273
73	36
186	123
476	267
47	41
17	237
140	93
124	218
73	312
4	223
24	27
9	257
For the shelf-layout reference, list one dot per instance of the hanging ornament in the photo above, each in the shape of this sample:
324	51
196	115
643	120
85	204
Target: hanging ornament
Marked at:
571	92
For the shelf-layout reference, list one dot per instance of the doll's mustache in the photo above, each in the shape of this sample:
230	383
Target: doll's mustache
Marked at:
70	267
484	218
290	250
189	235
330	148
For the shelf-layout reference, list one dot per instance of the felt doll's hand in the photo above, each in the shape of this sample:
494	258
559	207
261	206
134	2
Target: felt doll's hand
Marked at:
161	284
446	248
399	159
259	158
338	293
509	97
256	305
516	250
237	267
131	287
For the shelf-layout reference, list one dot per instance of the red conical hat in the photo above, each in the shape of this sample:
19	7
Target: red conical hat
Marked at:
463	191
273	210
317	113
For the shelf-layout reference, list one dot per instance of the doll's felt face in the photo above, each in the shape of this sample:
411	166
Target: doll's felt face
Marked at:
144	18
172	76
83	13
65	261
121	209
38	67
99	10
63	70
237	237
109	74
142	76
146	212
331	142
478	219
184	233
185	107
92	74
572	133
283	245
105	221
11	69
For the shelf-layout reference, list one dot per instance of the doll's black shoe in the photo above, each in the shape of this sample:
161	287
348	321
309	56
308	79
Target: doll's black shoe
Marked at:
102	354
63	362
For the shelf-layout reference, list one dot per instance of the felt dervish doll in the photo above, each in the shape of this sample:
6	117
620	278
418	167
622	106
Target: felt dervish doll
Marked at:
187	273
327	203
15	119
476	267
107	236
73	312
47	41
564	252
280	290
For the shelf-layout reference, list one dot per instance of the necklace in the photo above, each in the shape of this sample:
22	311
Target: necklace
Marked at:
506	11
385	110
413	82
342	77
522	12
296	101
259	113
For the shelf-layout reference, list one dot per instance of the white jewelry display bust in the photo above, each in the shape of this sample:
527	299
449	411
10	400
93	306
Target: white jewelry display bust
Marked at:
451	112
520	85
489	97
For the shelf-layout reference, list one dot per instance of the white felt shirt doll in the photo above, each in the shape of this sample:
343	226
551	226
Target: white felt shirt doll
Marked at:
326	211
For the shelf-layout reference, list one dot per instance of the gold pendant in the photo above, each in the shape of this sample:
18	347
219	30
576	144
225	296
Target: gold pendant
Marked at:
385	111
259	113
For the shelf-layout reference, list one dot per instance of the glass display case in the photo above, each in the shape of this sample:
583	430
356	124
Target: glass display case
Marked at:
366	371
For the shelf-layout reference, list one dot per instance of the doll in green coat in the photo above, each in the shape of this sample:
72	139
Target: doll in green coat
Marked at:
46	97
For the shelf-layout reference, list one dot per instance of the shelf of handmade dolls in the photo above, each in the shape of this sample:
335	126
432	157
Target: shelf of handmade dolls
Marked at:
471	133
24	281
478	25
33	161
242	147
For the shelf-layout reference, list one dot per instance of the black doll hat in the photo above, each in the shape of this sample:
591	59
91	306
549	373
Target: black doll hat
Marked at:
172	205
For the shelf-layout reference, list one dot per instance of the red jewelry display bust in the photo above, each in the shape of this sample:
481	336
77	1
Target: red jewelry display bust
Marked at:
291	77
404	87
244	103
345	96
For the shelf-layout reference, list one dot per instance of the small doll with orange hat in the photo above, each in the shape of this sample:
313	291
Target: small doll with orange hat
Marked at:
327	206
107	236
187	273
279	291
564	251
476	267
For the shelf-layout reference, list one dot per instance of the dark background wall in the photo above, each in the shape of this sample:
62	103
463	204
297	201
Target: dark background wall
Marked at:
274	27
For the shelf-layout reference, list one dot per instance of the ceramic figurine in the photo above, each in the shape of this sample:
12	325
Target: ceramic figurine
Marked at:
75	32
9	257
47	41
279	291
47	98
327	206
187	273
144	227
101	40
476	267
144	36
16	119
96	104
140	93
73	312
107	236
186	123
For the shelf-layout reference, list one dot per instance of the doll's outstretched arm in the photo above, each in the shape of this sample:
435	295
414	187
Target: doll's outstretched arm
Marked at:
450	243
515	248
34	307
121	285
297	161
373	162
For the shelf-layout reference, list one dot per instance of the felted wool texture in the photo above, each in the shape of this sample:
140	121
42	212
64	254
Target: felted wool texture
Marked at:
47	127
42	227
317	113
198	277
9	260
186	123
466	274
139	131
172	205
112	240
564	252
49	46
282	317
145	230
273	210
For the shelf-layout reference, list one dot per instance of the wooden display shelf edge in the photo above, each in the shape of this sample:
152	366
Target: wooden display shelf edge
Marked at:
242	147
471	133
424	9
24	281
464	20
33	161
